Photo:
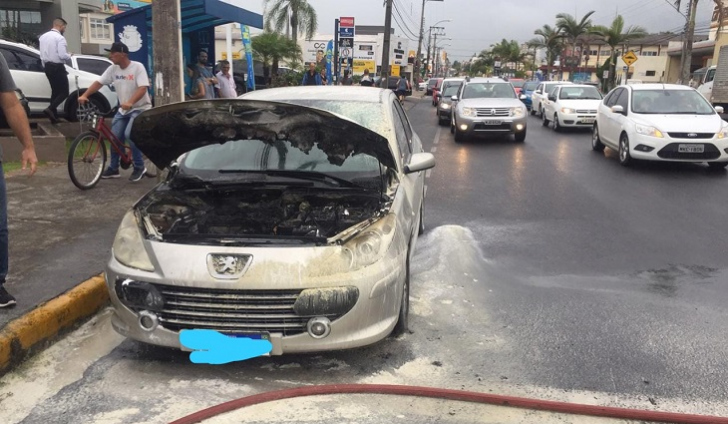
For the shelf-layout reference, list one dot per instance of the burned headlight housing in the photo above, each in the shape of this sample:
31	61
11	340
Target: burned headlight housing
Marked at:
372	244
128	246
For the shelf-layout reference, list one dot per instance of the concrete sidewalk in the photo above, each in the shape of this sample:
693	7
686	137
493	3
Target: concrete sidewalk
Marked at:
60	239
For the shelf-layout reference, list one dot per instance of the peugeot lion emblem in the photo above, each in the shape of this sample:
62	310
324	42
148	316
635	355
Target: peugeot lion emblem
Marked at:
227	266
692	135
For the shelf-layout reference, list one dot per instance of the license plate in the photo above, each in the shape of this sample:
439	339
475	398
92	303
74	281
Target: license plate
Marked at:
588	121
691	148
254	336
492	122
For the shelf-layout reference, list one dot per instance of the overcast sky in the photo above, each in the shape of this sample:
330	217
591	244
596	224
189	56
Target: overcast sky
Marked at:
476	24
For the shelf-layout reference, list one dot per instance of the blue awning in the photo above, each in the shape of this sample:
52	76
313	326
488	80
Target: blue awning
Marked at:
200	14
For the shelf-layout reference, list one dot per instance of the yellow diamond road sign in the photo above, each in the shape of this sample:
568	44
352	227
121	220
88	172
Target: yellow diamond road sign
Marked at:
629	58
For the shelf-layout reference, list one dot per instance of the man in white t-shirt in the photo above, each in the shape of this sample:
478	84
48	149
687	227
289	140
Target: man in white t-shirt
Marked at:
131	82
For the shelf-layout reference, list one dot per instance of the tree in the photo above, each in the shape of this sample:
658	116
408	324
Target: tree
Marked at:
270	48
573	30
508	52
301	16
457	66
550	39
616	36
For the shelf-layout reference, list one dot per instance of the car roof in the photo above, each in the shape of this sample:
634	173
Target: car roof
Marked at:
355	93
580	85
659	87
488	80
19	45
455	79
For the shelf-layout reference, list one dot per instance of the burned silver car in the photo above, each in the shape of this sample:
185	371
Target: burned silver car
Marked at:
277	221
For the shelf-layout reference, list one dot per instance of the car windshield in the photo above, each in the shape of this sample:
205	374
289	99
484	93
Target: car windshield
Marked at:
530	86
488	90
518	84
432	82
579	93
670	102
449	84
451	91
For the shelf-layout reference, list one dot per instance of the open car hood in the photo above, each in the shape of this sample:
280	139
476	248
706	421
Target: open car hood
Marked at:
166	132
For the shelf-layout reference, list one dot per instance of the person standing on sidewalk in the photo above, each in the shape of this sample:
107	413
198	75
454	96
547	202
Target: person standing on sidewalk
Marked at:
15	115
131	82
210	80
53	53
226	81
366	80
311	77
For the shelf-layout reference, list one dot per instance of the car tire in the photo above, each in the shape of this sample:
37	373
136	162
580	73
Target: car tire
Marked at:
459	136
441	122
624	157
557	127
597	144
717	165
402	325
544	120
452	124
532	112
520	137
540	111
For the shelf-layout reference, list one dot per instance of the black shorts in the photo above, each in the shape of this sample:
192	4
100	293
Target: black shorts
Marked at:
401	93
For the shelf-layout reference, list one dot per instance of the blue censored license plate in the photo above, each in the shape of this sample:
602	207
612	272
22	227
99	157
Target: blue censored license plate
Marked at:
253	336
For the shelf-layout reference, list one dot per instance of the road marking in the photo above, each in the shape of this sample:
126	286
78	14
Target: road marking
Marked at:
437	135
434	149
425	190
428	173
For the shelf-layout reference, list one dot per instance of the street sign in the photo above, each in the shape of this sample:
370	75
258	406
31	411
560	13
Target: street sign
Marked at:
346	32
346	21
629	58
346	42
345	52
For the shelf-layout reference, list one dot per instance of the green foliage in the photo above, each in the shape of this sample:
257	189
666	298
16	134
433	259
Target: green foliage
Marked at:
615	36
270	48
299	13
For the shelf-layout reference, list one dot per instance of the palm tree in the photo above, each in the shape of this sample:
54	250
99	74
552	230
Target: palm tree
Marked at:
508	52
573	29
616	36
270	48
549	39
300	15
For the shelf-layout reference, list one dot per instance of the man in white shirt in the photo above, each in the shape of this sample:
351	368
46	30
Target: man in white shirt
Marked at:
53	53
225	81
131	83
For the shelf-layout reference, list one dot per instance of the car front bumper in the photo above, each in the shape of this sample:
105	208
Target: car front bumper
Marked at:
371	318
494	125
583	120
443	112
678	150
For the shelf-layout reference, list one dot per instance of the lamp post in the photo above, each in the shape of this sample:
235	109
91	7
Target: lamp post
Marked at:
419	42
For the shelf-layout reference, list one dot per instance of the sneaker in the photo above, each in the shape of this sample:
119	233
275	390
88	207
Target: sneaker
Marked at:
110	173
138	174
6	299
51	115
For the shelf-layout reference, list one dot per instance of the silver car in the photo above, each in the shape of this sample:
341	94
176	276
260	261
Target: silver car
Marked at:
291	220
488	106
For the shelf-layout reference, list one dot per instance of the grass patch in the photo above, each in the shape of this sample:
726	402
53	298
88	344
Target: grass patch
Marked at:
16	165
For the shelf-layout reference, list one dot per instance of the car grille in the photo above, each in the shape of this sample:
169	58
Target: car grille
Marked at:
499	111
589	111
232	311
671	152
695	136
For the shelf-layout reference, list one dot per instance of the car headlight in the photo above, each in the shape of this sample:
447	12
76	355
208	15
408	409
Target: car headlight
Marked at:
517	111
723	133
128	246
445	105
469	111
567	110
647	130
371	245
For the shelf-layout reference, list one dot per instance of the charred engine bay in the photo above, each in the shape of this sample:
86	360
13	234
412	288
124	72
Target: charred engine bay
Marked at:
257	213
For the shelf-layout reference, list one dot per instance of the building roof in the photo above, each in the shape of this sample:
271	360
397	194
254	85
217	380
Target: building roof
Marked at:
649	40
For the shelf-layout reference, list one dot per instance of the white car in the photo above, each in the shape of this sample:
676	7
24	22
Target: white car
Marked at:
661	122
27	71
422	86
96	65
572	106
540	97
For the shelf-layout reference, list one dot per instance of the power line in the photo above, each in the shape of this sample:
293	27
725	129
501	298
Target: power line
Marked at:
399	24
402	23
407	15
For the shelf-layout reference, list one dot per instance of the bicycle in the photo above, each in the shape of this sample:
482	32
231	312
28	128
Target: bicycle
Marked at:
87	154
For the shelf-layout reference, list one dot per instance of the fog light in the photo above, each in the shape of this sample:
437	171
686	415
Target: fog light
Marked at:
643	148
319	327
464	127
519	127
148	320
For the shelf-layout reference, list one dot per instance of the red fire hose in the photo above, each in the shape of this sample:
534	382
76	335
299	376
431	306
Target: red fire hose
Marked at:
458	395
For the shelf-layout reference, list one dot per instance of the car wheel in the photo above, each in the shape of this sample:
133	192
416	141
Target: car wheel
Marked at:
597	144
540	111
520	136
544	120
402	325
532	112
717	165
452	124
441	122
557	126
624	157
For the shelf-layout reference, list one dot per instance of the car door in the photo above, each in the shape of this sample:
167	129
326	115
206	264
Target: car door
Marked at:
536	97
29	75
414	183
551	107
613	121
92	65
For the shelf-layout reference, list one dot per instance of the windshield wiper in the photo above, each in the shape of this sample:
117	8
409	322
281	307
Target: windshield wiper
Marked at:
302	175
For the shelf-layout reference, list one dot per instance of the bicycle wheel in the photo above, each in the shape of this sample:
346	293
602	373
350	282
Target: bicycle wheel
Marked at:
86	160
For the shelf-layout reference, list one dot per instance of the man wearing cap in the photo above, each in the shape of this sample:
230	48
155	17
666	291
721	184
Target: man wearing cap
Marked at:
131	82
53	54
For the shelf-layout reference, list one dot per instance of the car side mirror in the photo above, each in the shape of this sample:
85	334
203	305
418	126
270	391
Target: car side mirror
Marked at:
420	162
523	97
719	109
618	109
552	98
454	98
537	91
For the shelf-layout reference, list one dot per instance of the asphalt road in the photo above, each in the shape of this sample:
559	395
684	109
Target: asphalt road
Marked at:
547	270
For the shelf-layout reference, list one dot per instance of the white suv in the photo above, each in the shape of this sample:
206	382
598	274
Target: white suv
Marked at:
27	71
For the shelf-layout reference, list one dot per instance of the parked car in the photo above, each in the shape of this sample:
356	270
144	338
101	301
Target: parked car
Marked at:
23	102
422	86
27	71
271	224
444	108
432	83
661	122
447	82
528	88
540	97
572	105
96	65
488	106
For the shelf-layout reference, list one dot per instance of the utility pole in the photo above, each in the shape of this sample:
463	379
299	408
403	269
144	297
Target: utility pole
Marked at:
385	48
429	45
434	57
167	56
688	46
419	44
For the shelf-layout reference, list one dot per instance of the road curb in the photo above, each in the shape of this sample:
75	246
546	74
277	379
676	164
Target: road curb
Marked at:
33	331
